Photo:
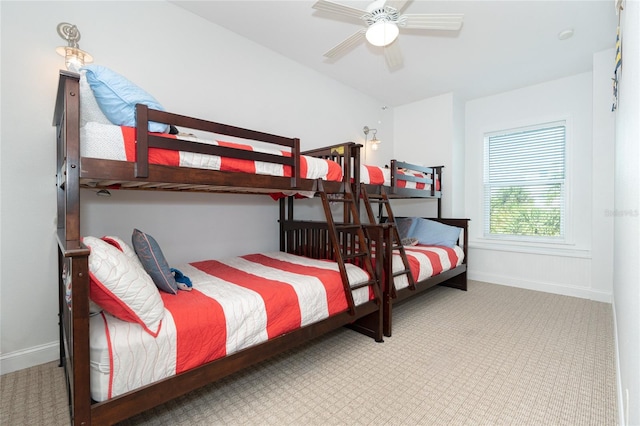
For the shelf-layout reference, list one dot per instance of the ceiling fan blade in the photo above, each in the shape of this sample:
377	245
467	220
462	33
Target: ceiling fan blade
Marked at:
329	6
432	21
397	4
393	55
347	44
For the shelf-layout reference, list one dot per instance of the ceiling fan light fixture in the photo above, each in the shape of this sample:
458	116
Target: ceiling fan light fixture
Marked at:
382	33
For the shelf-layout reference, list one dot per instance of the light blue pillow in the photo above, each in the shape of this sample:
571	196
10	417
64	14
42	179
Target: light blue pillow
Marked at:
153	261
117	97
432	233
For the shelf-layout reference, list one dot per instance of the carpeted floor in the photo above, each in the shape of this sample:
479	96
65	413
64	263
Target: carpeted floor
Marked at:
494	355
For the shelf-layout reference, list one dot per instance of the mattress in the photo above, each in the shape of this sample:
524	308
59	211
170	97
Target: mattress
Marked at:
426	262
235	304
376	175
111	142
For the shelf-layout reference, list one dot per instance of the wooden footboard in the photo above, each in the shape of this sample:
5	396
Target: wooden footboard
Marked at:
313	239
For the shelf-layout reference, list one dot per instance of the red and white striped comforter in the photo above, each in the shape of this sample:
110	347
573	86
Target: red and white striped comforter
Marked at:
110	142
376	175
235	304
425	262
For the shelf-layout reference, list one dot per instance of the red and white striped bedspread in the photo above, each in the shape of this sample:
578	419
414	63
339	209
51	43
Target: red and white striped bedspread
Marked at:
376	175
235	303
426	261
110	142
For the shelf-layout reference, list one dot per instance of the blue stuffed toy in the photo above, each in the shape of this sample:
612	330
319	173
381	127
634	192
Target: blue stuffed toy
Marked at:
184	283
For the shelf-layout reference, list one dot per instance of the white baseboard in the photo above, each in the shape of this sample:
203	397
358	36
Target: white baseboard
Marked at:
18	360
565	290
621	405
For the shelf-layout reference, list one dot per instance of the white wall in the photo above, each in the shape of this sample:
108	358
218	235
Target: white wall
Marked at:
565	268
424	134
602	170
626	287
191	66
458	160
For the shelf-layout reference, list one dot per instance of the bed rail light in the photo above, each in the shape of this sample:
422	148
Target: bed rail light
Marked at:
374	140
74	57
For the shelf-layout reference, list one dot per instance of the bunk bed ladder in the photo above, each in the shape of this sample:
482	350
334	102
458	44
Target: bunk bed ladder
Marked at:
349	250
396	243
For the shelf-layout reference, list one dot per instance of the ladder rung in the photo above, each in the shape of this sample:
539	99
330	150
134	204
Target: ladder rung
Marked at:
353	255
406	271
365	284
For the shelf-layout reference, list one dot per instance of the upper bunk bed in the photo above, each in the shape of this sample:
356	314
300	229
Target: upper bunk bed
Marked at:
311	247
152	158
401	180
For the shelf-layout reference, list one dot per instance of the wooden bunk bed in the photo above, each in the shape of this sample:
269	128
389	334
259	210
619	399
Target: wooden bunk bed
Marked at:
401	278
341	241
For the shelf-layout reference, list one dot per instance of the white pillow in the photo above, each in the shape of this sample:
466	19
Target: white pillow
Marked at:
121	245
89	109
122	287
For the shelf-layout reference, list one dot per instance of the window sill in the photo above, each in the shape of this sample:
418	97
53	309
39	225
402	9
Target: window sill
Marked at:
547	249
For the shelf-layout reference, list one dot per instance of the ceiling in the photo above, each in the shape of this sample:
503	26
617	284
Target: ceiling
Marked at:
503	45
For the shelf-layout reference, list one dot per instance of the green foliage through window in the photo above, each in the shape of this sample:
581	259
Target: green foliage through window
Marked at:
514	211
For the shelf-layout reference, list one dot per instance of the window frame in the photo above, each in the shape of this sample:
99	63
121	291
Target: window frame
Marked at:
566	236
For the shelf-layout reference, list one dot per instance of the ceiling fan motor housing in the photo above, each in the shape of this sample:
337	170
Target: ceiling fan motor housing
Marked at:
384	14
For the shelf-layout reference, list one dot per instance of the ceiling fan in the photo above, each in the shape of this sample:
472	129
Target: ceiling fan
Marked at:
384	20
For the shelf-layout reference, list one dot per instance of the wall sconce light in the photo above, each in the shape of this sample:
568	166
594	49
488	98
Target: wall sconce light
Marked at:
74	57
374	140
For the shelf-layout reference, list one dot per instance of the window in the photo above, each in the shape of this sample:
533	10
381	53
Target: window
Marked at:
524	183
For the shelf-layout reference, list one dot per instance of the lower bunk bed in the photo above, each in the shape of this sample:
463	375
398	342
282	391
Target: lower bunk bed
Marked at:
411	270
126	343
237	311
412	265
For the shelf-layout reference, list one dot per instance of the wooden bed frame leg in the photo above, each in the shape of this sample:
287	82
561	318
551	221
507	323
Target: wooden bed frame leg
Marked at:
370	325
387	315
459	282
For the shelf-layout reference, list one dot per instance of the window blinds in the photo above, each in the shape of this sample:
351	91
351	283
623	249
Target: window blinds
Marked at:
525	182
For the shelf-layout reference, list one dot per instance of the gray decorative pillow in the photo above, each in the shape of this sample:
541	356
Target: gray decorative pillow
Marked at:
410	242
153	261
405	226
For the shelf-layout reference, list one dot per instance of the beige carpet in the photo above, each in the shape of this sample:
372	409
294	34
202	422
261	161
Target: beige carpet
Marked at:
490	356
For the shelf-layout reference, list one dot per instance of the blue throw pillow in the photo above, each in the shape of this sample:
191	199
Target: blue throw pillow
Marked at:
432	233
153	261
117	97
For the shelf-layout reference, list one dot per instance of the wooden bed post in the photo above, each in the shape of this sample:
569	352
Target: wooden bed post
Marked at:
142	141
67	111
295	178
73	256
437	177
